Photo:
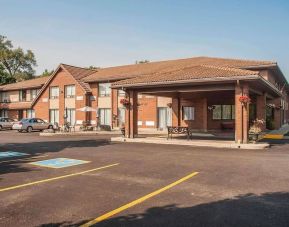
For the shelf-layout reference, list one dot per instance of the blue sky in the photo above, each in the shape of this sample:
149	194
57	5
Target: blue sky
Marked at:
115	32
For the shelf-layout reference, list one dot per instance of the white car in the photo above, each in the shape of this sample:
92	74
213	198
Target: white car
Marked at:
6	123
31	124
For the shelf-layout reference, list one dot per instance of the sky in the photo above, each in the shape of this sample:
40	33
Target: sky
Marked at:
106	33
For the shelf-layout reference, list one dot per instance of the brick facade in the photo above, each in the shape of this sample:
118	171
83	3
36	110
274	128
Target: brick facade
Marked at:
145	108
42	106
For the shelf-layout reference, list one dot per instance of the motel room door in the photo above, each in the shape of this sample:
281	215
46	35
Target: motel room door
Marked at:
164	117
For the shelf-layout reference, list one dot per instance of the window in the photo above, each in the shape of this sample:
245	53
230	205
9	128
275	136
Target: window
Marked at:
30	113
104	89
227	112
54	116
121	116
54	92
217	112
3	113
224	112
4	97
105	116
70	91
188	113
39	120
33	94
121	93
22	95
70	114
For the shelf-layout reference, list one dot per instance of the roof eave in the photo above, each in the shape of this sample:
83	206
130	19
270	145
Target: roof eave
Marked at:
185	82
22	88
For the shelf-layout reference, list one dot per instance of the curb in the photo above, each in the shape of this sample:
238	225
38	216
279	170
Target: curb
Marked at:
193	143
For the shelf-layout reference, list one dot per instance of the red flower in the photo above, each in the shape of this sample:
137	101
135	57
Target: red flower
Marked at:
244	99
124	102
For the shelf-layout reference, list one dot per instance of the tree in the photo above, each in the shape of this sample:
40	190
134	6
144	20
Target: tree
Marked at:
142	61
47	73
93	67
5	78
16	64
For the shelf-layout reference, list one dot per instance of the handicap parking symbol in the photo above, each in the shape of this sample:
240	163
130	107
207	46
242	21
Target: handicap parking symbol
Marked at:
59	162
9	154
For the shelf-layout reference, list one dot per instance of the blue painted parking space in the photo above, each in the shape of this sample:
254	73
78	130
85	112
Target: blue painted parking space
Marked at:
9	154
59	162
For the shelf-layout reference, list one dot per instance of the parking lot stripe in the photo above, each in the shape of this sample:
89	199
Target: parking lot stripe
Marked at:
137	201
12	160
56	178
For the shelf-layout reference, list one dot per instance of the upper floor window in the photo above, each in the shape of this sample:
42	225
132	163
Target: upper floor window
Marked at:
54	92
121	93
4	97
33	94
70	91
104	89
22	95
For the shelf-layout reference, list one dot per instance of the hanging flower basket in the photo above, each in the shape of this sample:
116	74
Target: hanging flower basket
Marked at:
125	102
244	99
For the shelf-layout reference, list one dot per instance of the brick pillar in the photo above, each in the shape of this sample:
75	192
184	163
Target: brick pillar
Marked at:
114	111
261	109
277	114
241	115
175	112
245	116
205	115
131	128
238	115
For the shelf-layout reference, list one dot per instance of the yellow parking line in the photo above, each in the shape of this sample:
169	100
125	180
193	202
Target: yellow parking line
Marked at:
56	178
273	136
137	201
26	158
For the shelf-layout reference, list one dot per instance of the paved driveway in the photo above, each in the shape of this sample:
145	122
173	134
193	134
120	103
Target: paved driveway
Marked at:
121	184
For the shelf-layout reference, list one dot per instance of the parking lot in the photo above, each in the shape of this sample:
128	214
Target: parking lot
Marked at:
88	179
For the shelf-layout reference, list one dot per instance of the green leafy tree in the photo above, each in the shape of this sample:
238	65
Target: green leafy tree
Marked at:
142	61
93	67
16	64
47	73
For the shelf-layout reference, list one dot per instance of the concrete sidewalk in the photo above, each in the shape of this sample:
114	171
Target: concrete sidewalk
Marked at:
197	143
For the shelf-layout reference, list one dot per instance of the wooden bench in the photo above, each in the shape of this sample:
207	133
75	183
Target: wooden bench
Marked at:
178	130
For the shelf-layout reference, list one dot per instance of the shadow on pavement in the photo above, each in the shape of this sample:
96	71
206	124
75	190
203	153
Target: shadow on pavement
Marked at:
269	209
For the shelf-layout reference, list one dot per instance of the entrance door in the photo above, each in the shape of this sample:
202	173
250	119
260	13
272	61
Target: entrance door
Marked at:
164	117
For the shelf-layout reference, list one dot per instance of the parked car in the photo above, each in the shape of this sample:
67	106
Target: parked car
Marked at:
31	124
6	123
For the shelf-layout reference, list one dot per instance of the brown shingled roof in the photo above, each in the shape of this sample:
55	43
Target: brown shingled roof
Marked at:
33	83
130	71
78	74
185	74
